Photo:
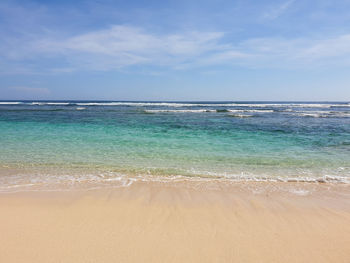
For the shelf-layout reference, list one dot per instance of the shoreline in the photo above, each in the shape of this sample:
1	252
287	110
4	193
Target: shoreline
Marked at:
157	222
27	179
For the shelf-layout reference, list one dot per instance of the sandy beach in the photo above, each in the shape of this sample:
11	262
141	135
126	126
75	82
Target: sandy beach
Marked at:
174	131
154	222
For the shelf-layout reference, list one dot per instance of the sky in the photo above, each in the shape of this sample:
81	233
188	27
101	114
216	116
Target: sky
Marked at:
224	50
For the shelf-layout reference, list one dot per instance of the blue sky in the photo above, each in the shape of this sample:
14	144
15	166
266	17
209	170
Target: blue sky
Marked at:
175	50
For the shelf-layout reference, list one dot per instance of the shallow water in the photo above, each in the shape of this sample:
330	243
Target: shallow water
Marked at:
107	142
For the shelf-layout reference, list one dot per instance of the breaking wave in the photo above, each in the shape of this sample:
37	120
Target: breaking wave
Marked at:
180	104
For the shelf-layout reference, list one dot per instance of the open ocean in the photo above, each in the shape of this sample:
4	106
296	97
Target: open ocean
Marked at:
64	144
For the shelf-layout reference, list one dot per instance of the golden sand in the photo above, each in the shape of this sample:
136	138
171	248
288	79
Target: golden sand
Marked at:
153	222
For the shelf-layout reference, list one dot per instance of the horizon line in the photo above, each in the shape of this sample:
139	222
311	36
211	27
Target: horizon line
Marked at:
100	100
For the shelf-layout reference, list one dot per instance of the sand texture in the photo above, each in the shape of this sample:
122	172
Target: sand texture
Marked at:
149	222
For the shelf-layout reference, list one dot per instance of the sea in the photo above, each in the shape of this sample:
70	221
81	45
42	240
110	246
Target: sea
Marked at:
71	144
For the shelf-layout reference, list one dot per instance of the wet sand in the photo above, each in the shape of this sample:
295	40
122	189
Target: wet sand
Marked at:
155	222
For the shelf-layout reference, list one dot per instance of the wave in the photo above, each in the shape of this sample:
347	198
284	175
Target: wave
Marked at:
51	103
184	104
313	115
209	110
239	110
32	110
175	104
36	103
240	115
180	111
257	111
140	104
67	182
322	114
63	182
10	103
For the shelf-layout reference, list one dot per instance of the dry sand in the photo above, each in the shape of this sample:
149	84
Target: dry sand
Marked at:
153	222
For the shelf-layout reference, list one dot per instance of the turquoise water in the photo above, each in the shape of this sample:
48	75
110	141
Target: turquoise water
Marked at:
60	141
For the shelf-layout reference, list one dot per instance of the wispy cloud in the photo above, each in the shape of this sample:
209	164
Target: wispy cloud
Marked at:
277	11
117	47
121	46
301	51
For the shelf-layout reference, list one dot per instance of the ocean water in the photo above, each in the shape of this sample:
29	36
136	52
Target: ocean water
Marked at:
50	144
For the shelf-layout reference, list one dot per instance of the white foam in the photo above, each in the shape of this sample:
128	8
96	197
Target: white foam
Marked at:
180	111
44	182
50	103
66	182
314	115
192	104
323	114
57	103
240	115
140	104
175	104
342	114
10	102
209	110
257	111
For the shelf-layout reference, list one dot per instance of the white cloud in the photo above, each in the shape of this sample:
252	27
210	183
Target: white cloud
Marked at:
328	48
119	47
281	53
279	10
301	51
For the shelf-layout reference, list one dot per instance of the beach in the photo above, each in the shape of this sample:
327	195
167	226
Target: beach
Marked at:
116	181
174	131
184	222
